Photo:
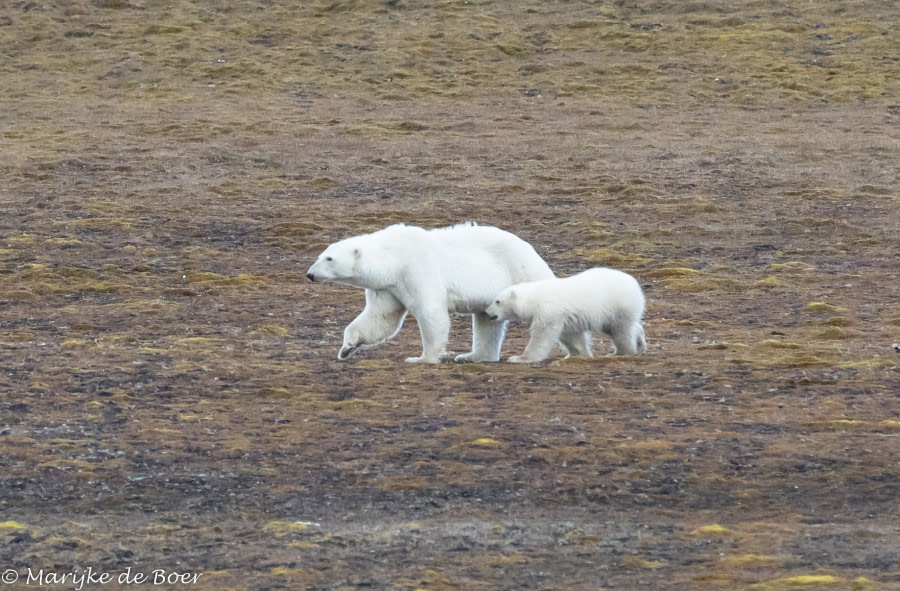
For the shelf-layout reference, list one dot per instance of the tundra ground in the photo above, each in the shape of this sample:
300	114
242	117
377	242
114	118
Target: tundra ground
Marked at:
169	393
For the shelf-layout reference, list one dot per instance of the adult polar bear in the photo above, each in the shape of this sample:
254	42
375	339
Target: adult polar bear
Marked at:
431	274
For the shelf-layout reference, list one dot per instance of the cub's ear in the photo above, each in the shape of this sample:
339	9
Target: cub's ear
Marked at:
511	296
357	253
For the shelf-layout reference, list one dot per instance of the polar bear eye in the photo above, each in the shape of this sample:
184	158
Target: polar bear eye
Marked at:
329	259
497	302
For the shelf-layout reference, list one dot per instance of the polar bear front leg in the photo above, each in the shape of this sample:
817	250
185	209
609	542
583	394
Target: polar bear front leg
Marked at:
434	326
379	321
487	336
543	339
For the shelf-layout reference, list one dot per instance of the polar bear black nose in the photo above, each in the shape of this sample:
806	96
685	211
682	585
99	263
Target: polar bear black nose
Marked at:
311	277
493	316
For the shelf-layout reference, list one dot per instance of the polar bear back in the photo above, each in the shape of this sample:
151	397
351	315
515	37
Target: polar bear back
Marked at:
468	263
589	300
476	262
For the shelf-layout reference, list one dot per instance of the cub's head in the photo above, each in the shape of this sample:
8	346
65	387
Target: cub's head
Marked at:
503	307
337	263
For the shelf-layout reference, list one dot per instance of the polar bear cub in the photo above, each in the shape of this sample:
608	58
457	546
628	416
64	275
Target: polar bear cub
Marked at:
597	300
430	274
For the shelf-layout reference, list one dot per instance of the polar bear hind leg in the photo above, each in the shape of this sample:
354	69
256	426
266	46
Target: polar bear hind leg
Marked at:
641	340
487	336
628	339
434	326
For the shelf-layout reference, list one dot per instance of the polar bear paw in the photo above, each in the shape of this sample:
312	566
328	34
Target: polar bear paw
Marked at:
423	359
474	357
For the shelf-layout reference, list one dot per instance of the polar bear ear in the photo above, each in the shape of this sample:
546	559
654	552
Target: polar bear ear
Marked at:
357	253
511	296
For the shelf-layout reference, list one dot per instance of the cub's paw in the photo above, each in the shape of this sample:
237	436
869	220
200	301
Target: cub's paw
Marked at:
474	358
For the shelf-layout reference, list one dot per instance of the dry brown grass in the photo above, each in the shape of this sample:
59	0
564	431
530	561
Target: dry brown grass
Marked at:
170	397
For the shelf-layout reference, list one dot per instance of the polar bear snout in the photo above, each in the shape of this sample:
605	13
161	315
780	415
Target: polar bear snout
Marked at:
326	269
493	311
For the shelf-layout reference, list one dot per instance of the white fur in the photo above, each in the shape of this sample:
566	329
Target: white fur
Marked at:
431	274
597	300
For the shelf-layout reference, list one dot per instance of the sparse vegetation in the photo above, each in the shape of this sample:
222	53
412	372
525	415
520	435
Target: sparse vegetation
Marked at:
169	394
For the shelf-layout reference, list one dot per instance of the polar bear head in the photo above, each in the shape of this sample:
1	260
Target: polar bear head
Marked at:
369	261
339	263
505	305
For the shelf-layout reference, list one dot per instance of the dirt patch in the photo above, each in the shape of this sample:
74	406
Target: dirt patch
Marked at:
170	394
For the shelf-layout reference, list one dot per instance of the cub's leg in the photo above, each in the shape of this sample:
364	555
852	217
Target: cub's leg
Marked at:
487	336
628	339
640	339
543	339
577	343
